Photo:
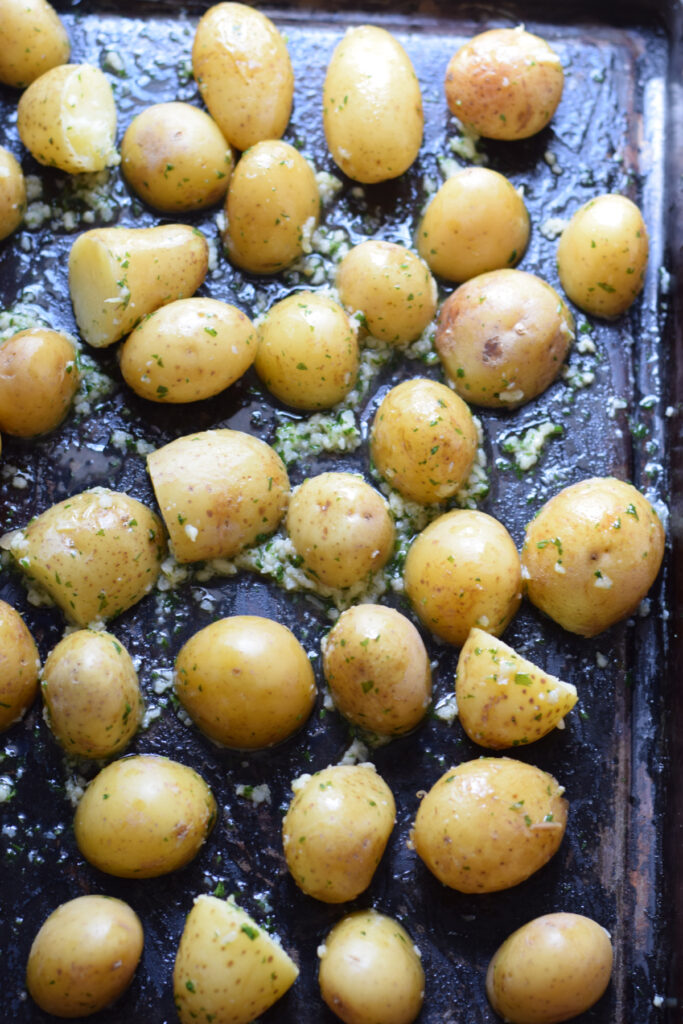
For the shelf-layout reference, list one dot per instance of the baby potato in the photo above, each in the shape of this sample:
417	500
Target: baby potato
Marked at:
503	699
476	222
12	189
307	352
143	816
96	553
227	969
244	73
119	275
19	666
32	40
67	119
341	528
489	824
84	956
91	694
336	830
550	970
602	255
188	350
273	207
176	158
245	681
462	571
591	554
502	338
218	491
504	84
38	380
372	106
423	440
370	971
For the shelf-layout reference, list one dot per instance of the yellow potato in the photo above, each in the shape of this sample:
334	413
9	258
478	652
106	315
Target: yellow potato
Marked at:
476	222
12	192
84	956
218	491
591	554
504	84
38	380
462	571
503	699
91	693
423	440
489	824
19	666
307	351
602	255
32	40
96	553
67	119
245	681
336	830
188	350
244	73
119	275
273	207
176	158
227	969
341	528
503	337
144	816
550	970
370	971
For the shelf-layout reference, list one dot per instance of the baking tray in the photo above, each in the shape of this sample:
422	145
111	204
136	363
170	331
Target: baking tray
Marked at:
618	128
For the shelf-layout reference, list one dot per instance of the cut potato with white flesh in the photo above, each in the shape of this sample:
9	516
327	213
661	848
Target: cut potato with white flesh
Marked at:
119	275
503	699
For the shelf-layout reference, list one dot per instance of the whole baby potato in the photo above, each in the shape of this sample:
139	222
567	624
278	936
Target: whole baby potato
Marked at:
218	491
12	192
503	337
32	40
307	351
372	106
591	554
370	971
550	970
602	255
245	681
336	829
423	440
84	956
504	84
176	158
19	666
244	73
38	380
91	694
462	571
272	208
144	816
489	824
476	222
188	350
341	528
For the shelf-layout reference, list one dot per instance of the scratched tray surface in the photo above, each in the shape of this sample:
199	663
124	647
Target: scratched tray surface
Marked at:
607	135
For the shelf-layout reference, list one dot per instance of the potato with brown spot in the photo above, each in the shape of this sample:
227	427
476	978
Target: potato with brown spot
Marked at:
38	380
12	193
32	41
19	666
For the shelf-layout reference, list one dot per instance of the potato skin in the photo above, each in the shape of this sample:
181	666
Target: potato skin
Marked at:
591	554
372	106
19	666
336	830
489	824
12	193
504	84
38	380
32	40
84	956
550	970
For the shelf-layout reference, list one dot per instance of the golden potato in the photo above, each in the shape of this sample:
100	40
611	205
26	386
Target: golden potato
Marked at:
32	40
38	380
476	222
423	440
591	554
489	824
12	191
19	666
